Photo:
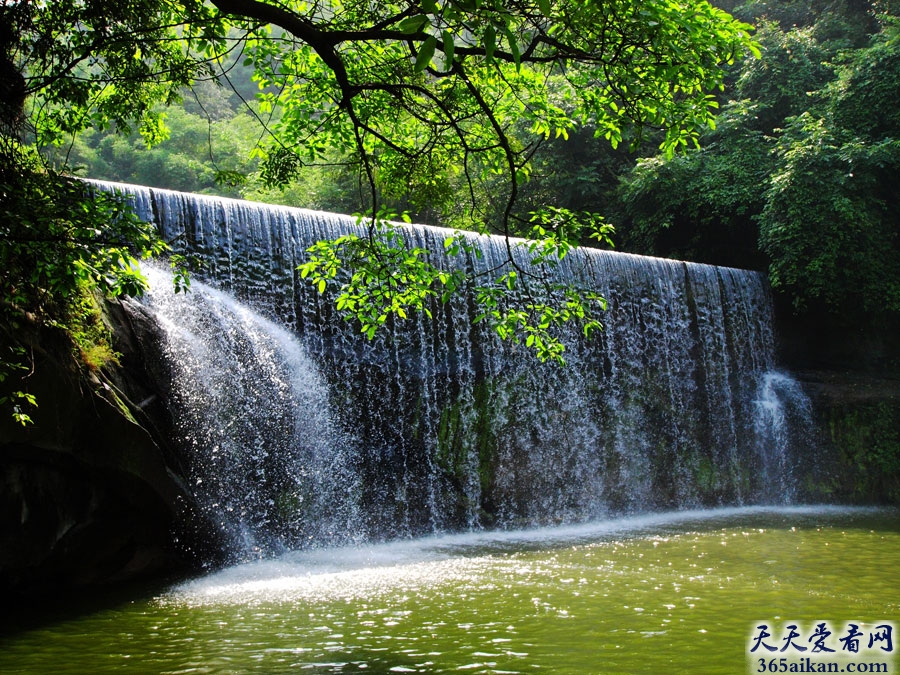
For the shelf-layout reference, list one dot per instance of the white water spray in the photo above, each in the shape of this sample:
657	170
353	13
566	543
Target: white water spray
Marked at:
269	464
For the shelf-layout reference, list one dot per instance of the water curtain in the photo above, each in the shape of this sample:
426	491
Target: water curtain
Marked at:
436	424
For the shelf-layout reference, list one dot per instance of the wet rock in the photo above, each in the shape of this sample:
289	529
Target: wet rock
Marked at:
91	493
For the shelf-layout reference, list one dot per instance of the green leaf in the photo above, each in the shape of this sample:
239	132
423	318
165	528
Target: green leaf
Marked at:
413	24
426	52
544	6
449	47
490	42
513	46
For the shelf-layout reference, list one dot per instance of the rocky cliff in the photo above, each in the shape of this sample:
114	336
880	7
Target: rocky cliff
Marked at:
91	493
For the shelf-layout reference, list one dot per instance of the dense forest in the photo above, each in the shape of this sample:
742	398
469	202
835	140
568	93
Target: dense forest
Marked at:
796	177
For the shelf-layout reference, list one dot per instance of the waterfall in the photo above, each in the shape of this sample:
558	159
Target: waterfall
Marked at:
436	424
269	465
783	418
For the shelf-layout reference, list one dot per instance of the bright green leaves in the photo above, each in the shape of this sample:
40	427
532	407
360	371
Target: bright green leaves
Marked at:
93	64
490	42
15	362
153	129
526	305
379	276
65	237
521	310
513	46
449	47
556	231
664	76
413	24
426	53
454	78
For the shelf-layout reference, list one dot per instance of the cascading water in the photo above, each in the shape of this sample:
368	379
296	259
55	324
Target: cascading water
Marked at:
436	424
782	415
269	465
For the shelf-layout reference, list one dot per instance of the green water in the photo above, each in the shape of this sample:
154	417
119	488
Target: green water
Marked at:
674	593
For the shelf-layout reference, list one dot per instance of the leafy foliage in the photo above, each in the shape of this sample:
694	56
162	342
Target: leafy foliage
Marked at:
14	361
56	236
830	222
401	83
430	98
779	85
380	278
92	63
58	244
700	206
199	155
798	176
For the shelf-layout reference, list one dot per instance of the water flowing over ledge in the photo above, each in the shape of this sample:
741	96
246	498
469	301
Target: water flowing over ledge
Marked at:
436	424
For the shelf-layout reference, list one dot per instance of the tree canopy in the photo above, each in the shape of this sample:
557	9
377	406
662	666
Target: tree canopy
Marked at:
428	99
800	174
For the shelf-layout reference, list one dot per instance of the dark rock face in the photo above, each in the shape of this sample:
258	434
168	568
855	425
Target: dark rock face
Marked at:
858	422
90	493
852	376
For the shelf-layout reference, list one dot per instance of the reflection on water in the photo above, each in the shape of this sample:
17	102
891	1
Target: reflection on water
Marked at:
665	593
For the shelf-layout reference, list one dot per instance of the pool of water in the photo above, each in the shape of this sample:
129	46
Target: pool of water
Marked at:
667	593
